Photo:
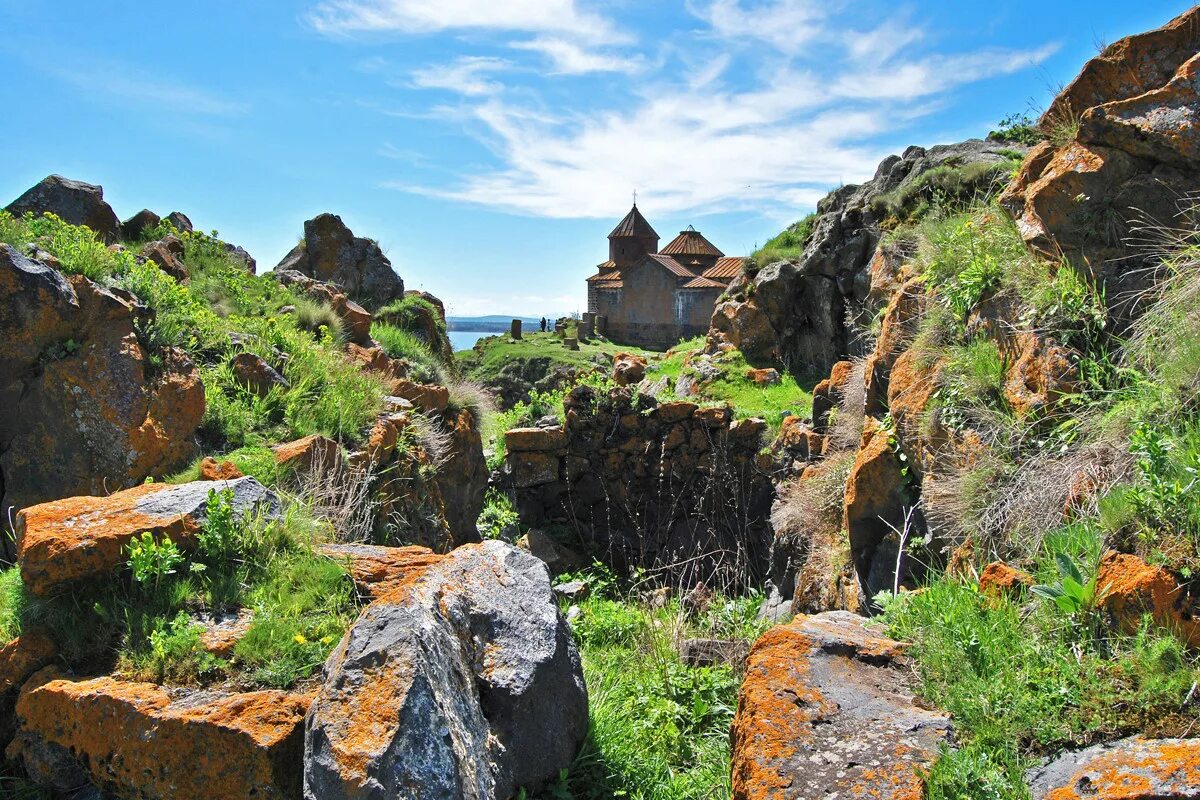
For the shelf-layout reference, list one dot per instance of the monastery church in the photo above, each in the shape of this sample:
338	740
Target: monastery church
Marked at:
654	298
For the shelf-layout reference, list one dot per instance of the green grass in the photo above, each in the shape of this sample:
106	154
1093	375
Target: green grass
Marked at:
659	729
502	349
76	247
12	604
787	245
948	187
1022	685
147	629
407	312
400	343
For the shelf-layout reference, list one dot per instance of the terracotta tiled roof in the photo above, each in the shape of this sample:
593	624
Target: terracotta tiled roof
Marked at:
703	283
611	275
691	243
727	268
634	225
605	266
673	266
610	284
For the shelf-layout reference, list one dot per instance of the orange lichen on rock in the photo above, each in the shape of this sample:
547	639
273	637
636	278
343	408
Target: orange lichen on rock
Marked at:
1129	588
142	740
999	579
376	571
826	710
628	369
1131	769
22	657
81	537
311	452
213	470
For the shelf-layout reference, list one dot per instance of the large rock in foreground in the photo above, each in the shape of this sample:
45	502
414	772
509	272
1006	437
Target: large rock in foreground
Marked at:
69	540
81	410
1131	769
146	741
462	682
75	202
330	252
827	710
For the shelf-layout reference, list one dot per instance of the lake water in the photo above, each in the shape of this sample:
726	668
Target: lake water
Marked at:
465	340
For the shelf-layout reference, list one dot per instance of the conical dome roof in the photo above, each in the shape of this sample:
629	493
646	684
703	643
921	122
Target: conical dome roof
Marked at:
691	243
634	226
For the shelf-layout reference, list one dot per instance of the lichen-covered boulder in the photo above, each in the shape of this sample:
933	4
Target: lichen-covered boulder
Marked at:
827	710
1131	769
19	659
462	682
83	412
253	373
1130	137
1128	588
147	741
330	252
75	202
69	540
628	369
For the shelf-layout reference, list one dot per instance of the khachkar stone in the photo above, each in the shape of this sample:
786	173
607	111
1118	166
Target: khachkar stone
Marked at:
601	324
571	342
560	328
516	329
586	325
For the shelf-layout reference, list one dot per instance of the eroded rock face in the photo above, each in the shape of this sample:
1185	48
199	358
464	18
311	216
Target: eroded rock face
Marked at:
1131	769
83	411
75	202
142	740
330	252
375	570
628	369
827	710
1129	588
797	312
356	320
463	477
65	541
1133	158
462	682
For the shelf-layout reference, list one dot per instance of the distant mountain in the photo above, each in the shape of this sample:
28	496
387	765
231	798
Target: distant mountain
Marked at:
498	323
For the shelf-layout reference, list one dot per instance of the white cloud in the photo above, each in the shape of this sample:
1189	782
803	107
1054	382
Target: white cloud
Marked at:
569	58
465	76
937	73
348	17
787	25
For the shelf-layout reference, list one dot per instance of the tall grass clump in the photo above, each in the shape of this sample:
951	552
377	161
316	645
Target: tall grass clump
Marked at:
404	344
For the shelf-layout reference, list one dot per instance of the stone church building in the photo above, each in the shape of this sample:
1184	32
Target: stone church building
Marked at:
653	298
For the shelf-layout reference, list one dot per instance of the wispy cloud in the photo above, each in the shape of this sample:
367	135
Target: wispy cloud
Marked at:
133	86
711	125
787	25
467	75
349	17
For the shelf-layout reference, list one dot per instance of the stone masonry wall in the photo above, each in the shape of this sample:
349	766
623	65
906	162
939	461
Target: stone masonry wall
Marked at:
673	488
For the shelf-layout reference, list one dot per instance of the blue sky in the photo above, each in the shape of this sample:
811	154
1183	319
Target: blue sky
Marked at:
490	145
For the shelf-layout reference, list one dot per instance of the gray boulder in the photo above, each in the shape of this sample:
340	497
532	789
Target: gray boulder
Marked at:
180	221
462	682
330	252
75	202
138	224
1131	769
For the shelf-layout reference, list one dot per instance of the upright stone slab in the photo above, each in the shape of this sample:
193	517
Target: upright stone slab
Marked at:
516	329
462	682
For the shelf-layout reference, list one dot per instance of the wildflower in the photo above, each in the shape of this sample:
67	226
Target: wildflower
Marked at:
299	639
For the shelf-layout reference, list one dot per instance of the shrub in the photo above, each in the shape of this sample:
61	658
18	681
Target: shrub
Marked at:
1017	129
407	312
406	345
77	248
498	515
786	246
313	316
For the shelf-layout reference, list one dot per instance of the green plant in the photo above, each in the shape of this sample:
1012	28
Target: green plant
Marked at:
150	561
498	515
1017	128
787	245
1073	593
406	345
314	316
12	604
174	652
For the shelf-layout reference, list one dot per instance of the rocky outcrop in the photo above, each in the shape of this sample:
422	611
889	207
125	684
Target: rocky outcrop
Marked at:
65	541
463	682
670	487
1128	588
20	659
1128	138
1131	769
463	476
136	226
426	321
75	202
356	320
330	252
146	741
84	412
167	253
827	710
795	313
375	570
